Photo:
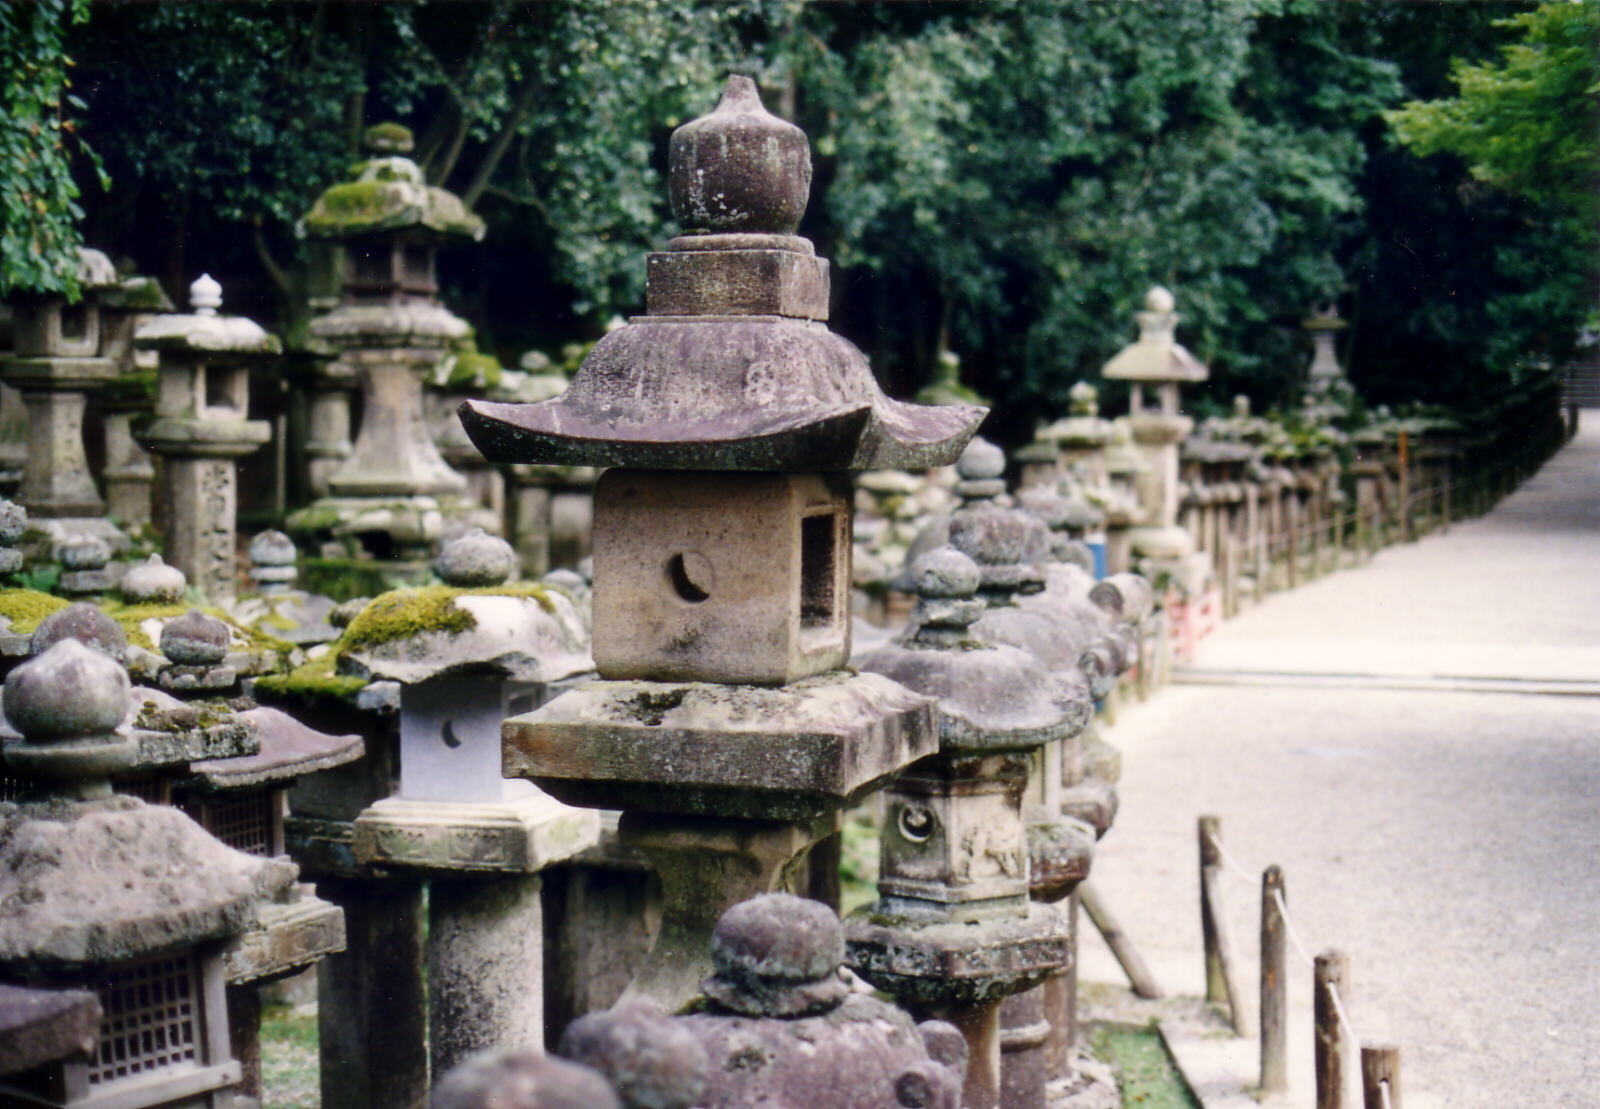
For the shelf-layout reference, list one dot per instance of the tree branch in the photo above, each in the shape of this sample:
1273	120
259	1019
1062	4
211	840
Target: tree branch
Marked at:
502	142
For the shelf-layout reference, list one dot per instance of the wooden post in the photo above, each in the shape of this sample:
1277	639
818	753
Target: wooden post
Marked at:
1380	1074
1230	575
1274	985
1263	564
1222	983
1144	984
1318	523
1404	447
1292	531
1332	972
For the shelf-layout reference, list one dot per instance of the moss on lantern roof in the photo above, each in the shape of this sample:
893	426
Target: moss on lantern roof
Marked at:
24	608
388	138
389	194
406	613
313	679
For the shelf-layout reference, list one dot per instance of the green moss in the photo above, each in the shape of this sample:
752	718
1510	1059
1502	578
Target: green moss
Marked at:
395	138
26	607
344	579
474	368
312	680
1146	1074
407	613
131	616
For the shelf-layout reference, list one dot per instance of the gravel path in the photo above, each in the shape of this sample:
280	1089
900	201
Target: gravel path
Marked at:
1449	842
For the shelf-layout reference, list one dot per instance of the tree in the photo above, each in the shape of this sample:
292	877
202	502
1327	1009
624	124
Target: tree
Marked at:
38	198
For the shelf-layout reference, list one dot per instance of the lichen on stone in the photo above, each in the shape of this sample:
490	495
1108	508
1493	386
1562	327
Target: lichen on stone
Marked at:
24	608
407	613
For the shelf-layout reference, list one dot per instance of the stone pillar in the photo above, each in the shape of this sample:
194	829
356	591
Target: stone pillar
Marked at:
485	967
371	1000
201	430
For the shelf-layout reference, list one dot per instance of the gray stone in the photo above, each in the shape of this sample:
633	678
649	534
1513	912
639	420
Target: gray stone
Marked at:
525	1079
476	559
45	1026
195	639
777	956
654	1062
739	169
69	692
85	623
153	582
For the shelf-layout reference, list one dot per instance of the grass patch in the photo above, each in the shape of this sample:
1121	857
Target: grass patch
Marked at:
1146	1074
858	863
289	1061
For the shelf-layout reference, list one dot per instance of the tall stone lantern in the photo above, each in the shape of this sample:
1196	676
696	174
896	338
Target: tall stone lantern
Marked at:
392	495
724	726
1158	364
202	428
1328	391
56	364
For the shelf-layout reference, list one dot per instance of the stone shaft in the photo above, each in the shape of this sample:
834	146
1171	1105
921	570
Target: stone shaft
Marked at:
57	482
201	504
485	967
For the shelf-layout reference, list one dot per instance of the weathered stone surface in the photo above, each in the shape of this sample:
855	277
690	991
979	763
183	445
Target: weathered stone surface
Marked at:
953	962
1060	853
390	195
720	577
789	283
153	582
67	703
523	1080
288	935
522	632
195	639
85	623
45	1026
180	886
954	838
1156	356
287	749
652	1060
698	747
508	837
740	168
485	963
476	559
777	956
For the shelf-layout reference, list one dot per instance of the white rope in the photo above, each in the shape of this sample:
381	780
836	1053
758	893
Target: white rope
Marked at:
1338	1008
1383	1092
1288	923
1229	862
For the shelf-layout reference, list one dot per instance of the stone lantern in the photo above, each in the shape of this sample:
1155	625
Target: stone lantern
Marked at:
1328	391
1158	363
129	473
479	839
953	932
201	428
390	497
56	364
724	727
149	945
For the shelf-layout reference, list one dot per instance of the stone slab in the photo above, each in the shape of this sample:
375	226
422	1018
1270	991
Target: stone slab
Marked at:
287	937
509	837
737	283
45	1026
782	753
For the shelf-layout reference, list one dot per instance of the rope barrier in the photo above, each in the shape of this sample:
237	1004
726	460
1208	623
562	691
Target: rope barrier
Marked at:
1383	1092
1288	924
1338	1008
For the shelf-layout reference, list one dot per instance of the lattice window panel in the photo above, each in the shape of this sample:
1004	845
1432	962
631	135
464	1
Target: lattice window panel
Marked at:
152	789
11	789
243	822
152	1022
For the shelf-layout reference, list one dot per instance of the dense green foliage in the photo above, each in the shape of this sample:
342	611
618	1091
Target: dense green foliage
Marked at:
1002	180
39	210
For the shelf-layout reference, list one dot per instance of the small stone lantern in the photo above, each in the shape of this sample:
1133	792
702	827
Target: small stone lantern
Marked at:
56	364
149	945
479	839
953	931
392	496
1328	392
725	726
1158	362
201	428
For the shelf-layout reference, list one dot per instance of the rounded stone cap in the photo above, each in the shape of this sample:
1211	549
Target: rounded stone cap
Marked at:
195	639
1045	503
13	522
205	295
1159	299
475	559
85	623
981	461
777	955
1084	399
944	572
153	581
69	692
1007	544
84	553
653	1062
739	169
522	1080
388	138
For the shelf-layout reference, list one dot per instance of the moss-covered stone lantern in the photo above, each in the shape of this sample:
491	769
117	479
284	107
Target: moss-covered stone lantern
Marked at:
725	725
392	495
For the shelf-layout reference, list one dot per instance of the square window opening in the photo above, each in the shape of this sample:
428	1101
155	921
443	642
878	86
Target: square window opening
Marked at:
74	323
819	555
